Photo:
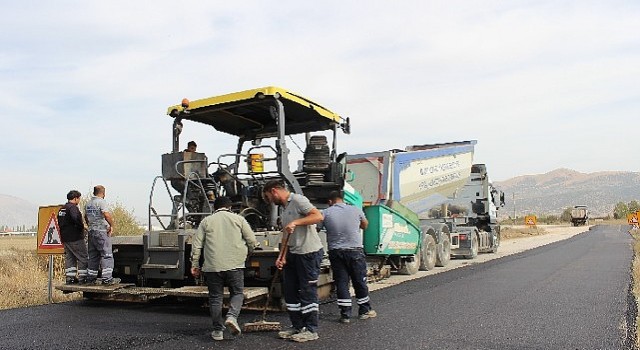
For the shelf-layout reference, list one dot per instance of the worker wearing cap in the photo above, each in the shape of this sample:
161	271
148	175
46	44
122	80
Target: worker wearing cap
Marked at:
225	239
72	233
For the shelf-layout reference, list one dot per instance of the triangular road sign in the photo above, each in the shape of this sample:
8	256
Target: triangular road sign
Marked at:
51	238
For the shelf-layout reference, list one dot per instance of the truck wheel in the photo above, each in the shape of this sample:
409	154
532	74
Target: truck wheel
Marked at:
428	253
444	251
496	243
474	248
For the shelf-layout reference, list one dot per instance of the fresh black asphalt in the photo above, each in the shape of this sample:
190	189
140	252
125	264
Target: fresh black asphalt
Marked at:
573	294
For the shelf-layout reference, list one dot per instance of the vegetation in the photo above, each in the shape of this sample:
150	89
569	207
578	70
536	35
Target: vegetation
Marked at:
125	222
621	209
566	215
24	275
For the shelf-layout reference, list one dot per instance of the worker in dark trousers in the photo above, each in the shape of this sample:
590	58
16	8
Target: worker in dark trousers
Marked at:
100	222
342	223
72	233
225	239
301	264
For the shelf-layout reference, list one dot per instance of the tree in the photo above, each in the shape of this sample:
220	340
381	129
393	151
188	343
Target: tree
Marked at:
566	215
550	219
125	222
634	206
620	211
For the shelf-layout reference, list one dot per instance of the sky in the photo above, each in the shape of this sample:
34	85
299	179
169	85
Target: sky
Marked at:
541	85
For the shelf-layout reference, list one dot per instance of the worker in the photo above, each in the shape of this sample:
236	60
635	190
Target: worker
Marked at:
73	233
225	239
301	264
342	223
191	147
101	224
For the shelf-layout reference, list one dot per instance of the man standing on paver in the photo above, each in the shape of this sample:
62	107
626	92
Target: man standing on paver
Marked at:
72	233
302	262
344	240
100	222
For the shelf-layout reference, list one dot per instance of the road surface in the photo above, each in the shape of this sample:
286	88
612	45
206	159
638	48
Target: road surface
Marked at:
572	294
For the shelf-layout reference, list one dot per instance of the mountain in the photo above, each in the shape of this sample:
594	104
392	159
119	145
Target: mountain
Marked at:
16	211
559	189
542	194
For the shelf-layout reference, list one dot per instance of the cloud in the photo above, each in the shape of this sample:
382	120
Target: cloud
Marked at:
540	85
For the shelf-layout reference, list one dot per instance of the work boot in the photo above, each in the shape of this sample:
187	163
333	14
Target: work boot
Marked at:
287	334
304	336
217	335
344	319
71	280
233	325
111	282
368	314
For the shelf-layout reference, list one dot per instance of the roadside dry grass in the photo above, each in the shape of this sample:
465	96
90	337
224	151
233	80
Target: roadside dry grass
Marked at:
519	231
635	278
24	275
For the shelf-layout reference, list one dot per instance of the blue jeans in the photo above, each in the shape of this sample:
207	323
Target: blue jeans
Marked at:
350	264
234	280
301	289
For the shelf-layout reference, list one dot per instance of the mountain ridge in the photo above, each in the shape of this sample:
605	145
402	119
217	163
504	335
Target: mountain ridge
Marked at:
541	194
552	192
15	212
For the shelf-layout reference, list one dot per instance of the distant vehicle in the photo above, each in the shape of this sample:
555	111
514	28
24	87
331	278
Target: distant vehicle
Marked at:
579	215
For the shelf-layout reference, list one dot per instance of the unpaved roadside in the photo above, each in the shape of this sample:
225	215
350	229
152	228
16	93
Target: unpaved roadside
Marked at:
507	247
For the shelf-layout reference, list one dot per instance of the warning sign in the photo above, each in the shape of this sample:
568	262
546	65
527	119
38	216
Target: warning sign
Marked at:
632	219
49	239
530	220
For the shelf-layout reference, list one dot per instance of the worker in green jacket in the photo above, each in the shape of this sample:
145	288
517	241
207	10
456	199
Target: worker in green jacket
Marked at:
225	239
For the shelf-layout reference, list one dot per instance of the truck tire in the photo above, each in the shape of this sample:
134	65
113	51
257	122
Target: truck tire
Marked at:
474	248
496	243
428	253
444	251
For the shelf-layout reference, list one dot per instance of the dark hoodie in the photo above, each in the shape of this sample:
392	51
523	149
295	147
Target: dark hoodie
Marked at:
70	221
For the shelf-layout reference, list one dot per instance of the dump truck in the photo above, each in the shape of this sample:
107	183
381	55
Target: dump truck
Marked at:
262	120
579	215
397	186
406	195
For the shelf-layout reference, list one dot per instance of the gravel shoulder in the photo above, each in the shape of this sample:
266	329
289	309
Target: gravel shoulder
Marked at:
545	234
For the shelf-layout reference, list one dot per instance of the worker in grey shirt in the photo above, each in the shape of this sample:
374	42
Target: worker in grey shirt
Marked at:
301	264
225	239
344	239
100	222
